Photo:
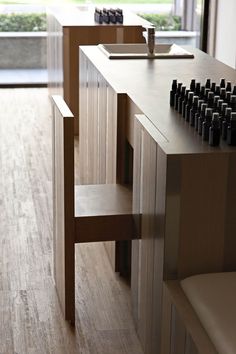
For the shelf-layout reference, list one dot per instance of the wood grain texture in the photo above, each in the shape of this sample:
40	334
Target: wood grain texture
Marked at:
63	205
31	320
69	28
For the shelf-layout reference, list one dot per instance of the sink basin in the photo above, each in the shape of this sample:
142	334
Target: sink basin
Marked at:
139	51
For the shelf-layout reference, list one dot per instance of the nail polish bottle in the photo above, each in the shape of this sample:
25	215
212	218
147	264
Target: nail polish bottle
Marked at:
222	83
206	124
112	15
202	92
206	93
223	93
193	110
192	85
177	95
228	86
216	99
181	98
222	114
98	16
217	90
219	104
228	97
185	101
197	114
226	122
208	83
105	15
234	90
233	103
119	16
213	86
188	106
231	131
214	131
210	99
197	89
173	92
202	117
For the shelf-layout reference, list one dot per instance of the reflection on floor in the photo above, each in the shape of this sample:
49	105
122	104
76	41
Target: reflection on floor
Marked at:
30	316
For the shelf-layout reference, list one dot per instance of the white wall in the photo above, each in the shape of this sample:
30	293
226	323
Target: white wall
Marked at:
225	46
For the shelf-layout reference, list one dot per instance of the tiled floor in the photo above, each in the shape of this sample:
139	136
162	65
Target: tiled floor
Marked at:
23	77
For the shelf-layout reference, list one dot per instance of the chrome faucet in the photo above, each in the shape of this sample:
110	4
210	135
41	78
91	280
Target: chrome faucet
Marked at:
151	40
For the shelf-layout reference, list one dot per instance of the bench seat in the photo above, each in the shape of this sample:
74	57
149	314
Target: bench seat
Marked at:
213	297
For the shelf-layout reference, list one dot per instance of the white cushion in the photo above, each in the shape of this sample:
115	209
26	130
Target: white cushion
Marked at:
213	297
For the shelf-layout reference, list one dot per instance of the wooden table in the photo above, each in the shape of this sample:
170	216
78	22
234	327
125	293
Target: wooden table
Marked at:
183	188
69	27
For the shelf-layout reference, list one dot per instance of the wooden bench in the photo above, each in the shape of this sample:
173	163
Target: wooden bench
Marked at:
85	213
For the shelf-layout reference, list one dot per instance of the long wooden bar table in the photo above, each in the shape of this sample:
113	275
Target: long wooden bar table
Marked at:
71	26
183	188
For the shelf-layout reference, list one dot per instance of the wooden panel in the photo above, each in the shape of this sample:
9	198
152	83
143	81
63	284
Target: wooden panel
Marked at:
98	124
230	220
148	232
135	265
199	190
147	261
63	205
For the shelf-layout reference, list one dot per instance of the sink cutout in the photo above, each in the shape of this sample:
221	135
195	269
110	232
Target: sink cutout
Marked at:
140	51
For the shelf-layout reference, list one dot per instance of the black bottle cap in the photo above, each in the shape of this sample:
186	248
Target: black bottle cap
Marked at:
217	90
223	107
206	92
228	86
219	104
228	96
228	112
200	102
198	88
192	84
195	101
215	123
174	85
203	107
183	89
213	86
234	90
210	95
202	91
208	83
222	82
233	120
216	98
190	96
233	99
208	113
223	92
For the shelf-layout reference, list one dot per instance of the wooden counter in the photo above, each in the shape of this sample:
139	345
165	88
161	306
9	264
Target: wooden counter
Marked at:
69	27
184	189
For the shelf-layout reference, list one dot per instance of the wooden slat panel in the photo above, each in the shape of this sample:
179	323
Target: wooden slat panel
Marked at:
81	167
135	267
148	200
63	206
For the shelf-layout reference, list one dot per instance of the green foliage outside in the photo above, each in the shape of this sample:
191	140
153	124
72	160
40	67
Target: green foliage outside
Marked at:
22	22
164	22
